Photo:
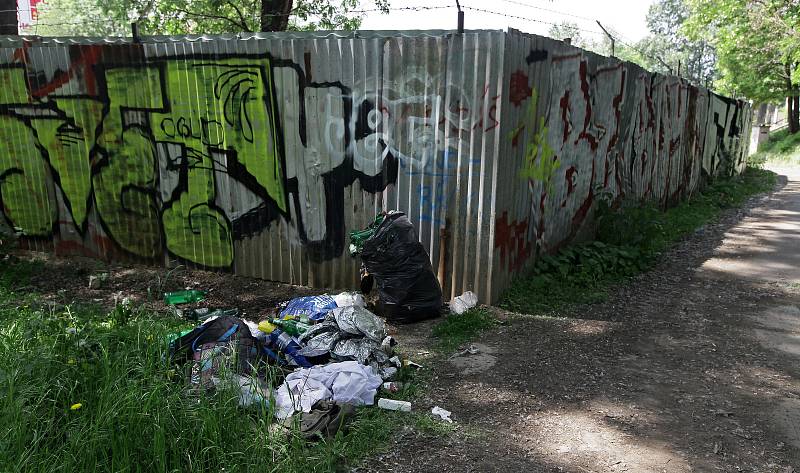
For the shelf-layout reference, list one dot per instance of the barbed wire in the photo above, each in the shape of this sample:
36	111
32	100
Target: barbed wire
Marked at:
517	17
528	5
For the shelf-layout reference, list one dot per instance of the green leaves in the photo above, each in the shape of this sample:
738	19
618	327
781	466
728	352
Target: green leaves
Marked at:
757	43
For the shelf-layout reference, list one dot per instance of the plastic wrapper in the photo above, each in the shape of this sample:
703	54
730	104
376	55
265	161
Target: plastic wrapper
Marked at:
320	345
360	321
358	349
394	257
313	307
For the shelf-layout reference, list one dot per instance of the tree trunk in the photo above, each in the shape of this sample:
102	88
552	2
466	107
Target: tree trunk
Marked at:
275	14
792	113
8	17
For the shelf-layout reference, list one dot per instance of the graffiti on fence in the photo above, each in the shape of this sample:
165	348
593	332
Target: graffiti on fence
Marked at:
189	154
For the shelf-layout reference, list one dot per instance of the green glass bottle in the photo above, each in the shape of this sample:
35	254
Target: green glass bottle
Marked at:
184	297
303	319
292	327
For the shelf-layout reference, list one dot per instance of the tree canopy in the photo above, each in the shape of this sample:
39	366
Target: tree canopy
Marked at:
758	44
113	17
756	40
663	50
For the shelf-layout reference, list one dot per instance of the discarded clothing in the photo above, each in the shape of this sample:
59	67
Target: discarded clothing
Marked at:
325	420
347	382
215	360
217	330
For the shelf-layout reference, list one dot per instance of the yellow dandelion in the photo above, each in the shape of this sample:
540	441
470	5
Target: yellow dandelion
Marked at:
75	406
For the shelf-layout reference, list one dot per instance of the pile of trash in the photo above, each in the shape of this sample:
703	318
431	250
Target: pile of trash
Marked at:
310	360
318	354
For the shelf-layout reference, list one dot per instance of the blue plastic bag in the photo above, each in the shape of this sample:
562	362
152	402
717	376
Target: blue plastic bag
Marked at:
313	307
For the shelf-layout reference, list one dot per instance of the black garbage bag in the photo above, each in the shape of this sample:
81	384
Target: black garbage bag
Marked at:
394	257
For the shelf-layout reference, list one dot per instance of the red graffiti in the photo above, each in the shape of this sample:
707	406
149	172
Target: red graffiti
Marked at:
491	112
587	118
82	64
570	177
512	241
566	119
519	90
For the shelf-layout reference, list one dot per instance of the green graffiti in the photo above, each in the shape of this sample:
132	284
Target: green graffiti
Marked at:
104	152
198	232
539	164
23	180
68	143
223	106
125	183
23	169
218	112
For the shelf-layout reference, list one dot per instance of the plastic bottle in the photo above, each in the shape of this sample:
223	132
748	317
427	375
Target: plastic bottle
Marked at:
290	326
284	343
184	297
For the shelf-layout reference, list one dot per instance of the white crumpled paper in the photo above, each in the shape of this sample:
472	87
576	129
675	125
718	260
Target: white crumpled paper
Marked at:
346	382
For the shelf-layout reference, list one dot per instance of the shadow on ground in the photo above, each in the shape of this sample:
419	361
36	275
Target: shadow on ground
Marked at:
692	366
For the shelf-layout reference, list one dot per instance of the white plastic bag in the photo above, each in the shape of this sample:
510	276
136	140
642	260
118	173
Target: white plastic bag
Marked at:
463	303
348	299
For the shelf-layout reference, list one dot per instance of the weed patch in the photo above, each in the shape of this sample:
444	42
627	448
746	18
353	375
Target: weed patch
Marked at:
630	239
458	329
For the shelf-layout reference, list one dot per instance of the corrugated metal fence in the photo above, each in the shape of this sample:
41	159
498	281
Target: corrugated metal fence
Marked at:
258	153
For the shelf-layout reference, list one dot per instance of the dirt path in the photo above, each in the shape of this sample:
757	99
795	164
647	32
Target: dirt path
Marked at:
694	366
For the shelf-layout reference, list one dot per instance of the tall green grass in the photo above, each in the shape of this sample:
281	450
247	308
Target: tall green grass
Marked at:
134	416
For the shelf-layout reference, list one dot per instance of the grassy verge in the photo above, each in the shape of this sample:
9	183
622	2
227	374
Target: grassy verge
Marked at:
85	390
629	240
780	148
456	330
